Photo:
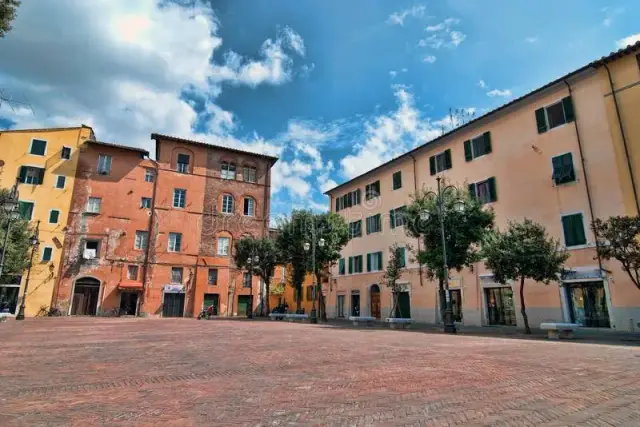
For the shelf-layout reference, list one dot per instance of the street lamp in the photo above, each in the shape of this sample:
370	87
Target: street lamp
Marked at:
425	215
314	294
252	261
10	208
35	242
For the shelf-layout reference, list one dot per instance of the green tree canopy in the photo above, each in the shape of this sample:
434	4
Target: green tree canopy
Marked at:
8	12
618	238
524	251
266	250
17	250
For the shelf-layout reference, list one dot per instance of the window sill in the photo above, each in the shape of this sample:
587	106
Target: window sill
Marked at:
562	184
577	247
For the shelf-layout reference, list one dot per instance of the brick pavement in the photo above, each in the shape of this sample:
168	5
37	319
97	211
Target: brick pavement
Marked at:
183	372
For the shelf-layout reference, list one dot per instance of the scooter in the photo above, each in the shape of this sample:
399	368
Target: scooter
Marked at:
206	312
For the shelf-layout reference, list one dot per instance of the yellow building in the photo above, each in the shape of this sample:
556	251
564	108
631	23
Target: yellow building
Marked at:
281	291
44	162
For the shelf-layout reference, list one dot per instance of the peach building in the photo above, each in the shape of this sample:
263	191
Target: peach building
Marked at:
561	155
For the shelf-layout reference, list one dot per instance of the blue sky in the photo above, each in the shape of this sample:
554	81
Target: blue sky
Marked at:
333	87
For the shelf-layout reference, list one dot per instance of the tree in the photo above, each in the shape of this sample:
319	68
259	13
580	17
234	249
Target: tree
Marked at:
18	243
618	238
392	274
290	243
268	258
7	15
524	251
464	231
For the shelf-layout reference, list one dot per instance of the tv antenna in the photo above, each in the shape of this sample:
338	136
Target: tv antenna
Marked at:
7	97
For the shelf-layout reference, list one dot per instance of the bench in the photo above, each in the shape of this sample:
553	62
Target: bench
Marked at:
398	322
277	316
556	331
362	319
292	317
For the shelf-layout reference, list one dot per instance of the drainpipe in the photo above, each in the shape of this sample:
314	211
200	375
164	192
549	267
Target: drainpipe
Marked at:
415	190
624	138
586	179
149	231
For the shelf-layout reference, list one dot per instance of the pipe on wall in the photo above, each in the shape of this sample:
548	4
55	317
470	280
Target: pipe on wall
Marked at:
415	190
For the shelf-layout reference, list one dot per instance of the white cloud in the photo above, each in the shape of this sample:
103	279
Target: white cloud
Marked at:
444	25
531	39
607	22
457	37
295	41
506	93
429	58
610	14
393	74
482	84
442	35
632	39
397	18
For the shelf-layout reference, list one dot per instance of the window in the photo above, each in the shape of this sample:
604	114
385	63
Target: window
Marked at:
440	162
91	249
179	198
223	246
175	242
341	267
61	181
347	200
31	175
397	217
176	274
573	228
484	191
213	277
340	304
228	171
355	229
54	215
249	206
355	264
65	154
309	293
93	205
397	180
142	240
227	204
401	255
249	174
132	272
145	203
104	164
47	253
182	165
372	190
38	147
374	224
26	209
563	171
246	280
149	174
374	261
478	146
555	115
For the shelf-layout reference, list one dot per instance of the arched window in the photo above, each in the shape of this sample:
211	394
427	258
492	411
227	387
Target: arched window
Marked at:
228	171
249	206
227	204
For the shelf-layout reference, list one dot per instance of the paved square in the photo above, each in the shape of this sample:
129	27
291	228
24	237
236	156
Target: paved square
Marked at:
183	372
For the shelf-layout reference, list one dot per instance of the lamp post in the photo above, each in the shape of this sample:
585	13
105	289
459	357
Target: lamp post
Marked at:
10	208
34	247
314	294
252	261
425	215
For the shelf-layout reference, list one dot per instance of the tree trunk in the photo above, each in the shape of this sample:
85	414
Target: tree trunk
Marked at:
523	308
322	308
267	286
299	299
394	304
442	299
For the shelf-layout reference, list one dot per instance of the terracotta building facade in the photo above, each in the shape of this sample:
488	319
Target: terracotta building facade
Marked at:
165	230
555	156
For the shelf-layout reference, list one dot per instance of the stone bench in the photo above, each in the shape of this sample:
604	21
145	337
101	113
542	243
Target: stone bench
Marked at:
277	316
292	317
398	322
556	331
362	319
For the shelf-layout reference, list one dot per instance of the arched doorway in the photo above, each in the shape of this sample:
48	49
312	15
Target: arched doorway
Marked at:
85	297
374	293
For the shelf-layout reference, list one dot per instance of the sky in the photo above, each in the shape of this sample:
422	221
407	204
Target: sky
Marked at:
332	87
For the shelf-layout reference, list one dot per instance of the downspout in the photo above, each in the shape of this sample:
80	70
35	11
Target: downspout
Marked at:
267	201
586	178
415	190
152	216
624	138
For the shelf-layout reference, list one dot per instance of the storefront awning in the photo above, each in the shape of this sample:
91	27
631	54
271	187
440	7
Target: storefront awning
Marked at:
130	286
582	274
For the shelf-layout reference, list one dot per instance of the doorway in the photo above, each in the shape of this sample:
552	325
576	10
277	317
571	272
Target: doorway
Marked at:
500	307
588	304
244	302
128	303
456	304
173	305
375	301
403	307
355	304
340	306
85	297
9	298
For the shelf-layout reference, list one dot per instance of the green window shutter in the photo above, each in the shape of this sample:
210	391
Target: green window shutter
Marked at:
492	189
468	155
368	225
53	217
578	225
541	120
432	165
46	254
26	210
378	222
392	218
22	174
557	168
341	266
397	180
379	260
447	159
338	204
567	105
350	265
472	191
402	256
573	229
369	262
40	175
487	142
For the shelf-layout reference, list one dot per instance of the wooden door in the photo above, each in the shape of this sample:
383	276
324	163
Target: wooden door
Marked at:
375	302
